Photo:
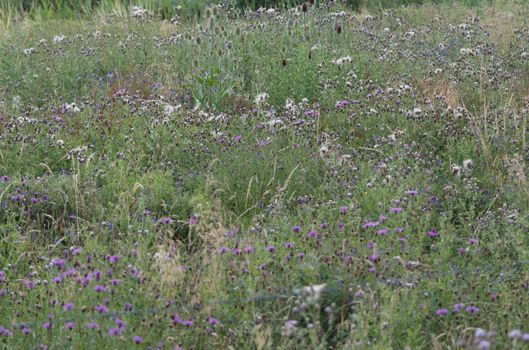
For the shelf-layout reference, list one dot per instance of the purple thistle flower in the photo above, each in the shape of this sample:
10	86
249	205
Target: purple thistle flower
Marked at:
472	309
433	233
296	229
412	192
70	326
68	307
223	249
93	325
128	307
271	248
47	325
213	321
395	210
25	330
102	309
441	312
113	259
458	307
289	245
166	221
137	339
370	224
472	241
4	178
114	332
383	231
311	234
344	210
100	288
57	280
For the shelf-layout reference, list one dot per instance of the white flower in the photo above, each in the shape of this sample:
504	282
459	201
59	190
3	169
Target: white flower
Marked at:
138	11
343	60
468	164
58	38
29	51
289	328
168	110
260	99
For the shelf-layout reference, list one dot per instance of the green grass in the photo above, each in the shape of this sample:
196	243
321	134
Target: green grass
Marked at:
196	179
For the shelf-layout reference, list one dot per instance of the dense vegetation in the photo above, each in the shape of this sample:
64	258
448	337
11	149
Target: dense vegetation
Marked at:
312	178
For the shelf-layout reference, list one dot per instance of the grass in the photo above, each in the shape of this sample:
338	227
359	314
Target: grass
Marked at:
265	180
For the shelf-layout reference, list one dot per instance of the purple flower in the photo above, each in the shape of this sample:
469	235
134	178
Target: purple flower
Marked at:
458	307
213	321
93	325
462	250
100	288
344	210
223	249
47	325
102	309
433	233
472	241
113	259
238	138
193	220
137	339
70	326
166	221
289	245
57	280
120	323
4	178
515	334
395	210
370	224
296	229
114	331
271	248
2	276
311	234
25	330
441	312
68	307
383	231
412	192
472	309
128	307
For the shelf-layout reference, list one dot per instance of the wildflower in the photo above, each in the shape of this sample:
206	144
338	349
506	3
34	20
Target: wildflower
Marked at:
395	210
343	60
383	231
480	333
289	328
128	307
70	326
484	345
344	210
271	248
68	307
433	233
289	245
137	339
114	331
102	309
515	334
472	309
441	312
166	221
94	326
100	288
370	224
296	229
458	307
260	99
113	259
213	321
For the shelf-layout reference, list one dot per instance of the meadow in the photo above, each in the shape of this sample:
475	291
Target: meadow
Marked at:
317	176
